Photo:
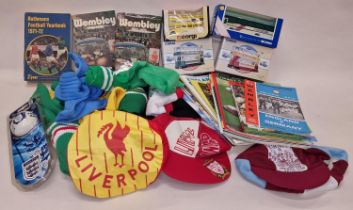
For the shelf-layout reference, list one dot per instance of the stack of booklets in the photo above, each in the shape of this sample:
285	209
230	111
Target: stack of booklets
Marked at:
245	111
258	112
198	94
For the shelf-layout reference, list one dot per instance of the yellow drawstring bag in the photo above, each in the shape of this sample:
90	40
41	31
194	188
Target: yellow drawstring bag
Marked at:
114	153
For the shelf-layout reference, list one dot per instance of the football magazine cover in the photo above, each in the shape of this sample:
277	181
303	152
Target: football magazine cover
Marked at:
47	42
138	37
93	37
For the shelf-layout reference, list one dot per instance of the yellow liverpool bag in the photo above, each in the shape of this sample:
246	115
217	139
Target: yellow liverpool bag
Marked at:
114	153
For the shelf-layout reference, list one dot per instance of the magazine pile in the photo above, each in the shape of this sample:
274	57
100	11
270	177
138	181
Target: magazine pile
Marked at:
247	112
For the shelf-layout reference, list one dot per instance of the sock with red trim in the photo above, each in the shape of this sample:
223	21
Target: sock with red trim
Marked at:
160	103
60	135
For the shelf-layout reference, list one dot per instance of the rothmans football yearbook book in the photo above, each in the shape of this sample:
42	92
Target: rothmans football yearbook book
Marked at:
47	42
137	37
94	37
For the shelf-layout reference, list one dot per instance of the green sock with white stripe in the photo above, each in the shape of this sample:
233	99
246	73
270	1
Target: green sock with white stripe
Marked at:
134	101
141	74
101	77
60	135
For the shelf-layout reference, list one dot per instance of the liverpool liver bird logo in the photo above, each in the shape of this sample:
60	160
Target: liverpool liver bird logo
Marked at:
115	141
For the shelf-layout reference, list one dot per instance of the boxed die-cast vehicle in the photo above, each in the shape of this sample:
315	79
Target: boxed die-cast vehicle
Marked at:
188	54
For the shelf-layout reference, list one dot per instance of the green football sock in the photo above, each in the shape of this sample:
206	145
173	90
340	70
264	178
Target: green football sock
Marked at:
48	107
141	74
134	101
60	138
60	134
99	76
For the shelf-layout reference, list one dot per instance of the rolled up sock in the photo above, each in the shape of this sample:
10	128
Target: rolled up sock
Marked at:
71	88
60	138
160	78
160	103
141	74
99	76
79	98
134	101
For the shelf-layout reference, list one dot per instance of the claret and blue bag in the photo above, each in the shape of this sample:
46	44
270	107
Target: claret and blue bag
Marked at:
308	171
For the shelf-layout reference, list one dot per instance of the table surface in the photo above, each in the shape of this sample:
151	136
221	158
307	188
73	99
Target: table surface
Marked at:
314	55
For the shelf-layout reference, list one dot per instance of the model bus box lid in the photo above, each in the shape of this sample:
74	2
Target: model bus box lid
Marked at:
189	57
244	59
188	24
47	43
246	26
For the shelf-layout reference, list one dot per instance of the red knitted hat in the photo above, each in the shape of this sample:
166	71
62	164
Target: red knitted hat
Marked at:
197	153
